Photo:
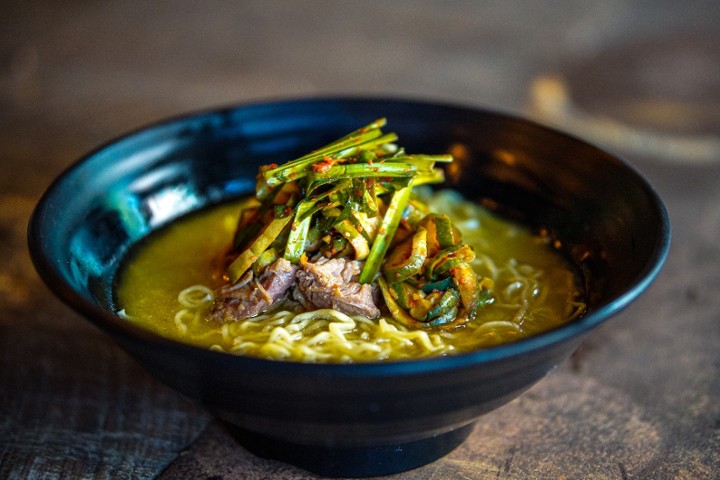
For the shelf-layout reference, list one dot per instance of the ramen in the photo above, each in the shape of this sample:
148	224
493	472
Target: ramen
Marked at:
168	284
345	254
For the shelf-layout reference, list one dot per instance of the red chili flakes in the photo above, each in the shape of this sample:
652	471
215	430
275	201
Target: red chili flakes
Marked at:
324	165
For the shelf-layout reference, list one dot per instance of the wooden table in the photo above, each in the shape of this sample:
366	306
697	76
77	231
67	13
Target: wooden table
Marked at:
638	400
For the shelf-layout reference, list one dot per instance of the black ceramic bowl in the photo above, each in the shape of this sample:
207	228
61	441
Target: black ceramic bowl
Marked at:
358	419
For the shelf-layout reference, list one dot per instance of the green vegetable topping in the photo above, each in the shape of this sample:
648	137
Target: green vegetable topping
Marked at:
354	198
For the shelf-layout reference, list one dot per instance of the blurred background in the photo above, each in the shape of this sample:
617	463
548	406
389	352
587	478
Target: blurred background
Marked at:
94	69
638	77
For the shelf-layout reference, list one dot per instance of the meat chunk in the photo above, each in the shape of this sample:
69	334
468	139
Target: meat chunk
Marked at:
255	295
325	283
332	283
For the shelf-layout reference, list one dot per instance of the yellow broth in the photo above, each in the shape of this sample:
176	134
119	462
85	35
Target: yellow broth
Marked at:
536	290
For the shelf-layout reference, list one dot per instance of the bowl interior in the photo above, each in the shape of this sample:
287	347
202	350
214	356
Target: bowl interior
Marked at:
610	221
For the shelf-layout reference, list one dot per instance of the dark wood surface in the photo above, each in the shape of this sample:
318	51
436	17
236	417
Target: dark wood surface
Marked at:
640	398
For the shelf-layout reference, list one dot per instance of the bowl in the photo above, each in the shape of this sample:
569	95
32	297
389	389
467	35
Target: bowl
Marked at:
360	419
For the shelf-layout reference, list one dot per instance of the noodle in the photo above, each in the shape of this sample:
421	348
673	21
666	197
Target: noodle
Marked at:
535	290
195	296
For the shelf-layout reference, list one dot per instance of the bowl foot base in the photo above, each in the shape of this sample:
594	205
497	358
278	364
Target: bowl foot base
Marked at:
353	461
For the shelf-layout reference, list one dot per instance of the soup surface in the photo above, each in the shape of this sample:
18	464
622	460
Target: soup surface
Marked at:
167	284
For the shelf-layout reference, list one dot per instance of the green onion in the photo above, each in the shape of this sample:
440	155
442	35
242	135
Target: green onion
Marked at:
387	229
348	198
245	260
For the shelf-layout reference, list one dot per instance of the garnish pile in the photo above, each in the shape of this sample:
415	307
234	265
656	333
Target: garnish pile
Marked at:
353	199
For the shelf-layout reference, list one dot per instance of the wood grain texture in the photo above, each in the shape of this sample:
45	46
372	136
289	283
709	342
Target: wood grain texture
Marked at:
637	401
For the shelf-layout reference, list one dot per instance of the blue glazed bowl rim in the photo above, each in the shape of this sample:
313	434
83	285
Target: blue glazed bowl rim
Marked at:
125	331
